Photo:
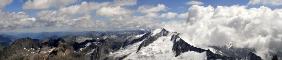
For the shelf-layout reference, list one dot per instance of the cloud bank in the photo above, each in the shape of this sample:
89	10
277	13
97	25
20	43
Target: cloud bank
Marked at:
53	15
104	15
234	26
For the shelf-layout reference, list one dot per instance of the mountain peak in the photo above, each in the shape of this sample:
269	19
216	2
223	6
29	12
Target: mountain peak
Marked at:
160	31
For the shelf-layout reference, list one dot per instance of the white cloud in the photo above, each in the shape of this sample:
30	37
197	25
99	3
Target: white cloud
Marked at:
11	21
173	16
236	26
75	16
125	2
152	11
113	11
267	2
79	16
194	3
169	15
183	15
84	7
45	4
3	3
59	19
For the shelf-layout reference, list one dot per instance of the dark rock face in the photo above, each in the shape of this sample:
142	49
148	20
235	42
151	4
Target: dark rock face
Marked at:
67	48
238	53
19	49
253	56
180	46
275	57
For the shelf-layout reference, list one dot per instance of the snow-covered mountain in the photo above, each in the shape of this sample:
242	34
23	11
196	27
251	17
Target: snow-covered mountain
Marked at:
158	44
164	45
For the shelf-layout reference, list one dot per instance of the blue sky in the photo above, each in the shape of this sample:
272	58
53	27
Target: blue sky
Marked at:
174	5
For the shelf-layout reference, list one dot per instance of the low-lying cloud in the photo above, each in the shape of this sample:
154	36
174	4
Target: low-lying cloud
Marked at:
234	26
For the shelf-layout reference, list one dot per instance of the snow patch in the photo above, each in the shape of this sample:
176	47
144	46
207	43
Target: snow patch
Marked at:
127	50
156	31
159	49
191	55
138	36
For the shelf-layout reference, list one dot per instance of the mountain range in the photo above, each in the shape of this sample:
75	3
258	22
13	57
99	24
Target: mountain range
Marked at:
158	44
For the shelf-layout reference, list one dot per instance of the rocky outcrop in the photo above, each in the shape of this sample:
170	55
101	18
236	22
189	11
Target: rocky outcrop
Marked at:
20	49
180	46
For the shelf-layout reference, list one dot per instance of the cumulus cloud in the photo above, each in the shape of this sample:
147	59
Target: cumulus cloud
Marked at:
194	3
183	15
45	4
152	11
84	7
10	21
83	16
3	3
234	26
125	2
113	11
87	16
169	15
56	19
75	16
268	2
174	16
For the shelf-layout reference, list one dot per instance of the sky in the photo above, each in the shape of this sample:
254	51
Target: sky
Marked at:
81	15
175	5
